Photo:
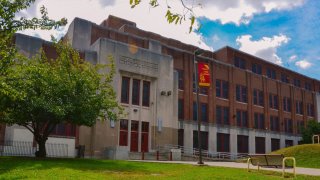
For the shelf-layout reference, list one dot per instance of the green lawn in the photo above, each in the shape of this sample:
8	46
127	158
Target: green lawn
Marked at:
30	168
307	155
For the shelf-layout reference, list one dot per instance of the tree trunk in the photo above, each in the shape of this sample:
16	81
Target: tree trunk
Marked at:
42	148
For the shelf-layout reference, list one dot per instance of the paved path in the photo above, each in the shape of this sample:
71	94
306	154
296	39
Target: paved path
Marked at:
299	170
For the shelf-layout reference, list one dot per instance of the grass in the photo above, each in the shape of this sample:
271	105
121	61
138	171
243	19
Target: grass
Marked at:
30	168
306	155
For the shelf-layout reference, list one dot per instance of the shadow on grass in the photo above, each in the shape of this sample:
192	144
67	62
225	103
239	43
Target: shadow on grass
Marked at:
29	163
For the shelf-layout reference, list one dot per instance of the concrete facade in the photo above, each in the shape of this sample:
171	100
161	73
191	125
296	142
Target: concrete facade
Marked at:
166	63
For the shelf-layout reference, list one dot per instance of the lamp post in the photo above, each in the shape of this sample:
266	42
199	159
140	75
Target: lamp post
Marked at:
196	53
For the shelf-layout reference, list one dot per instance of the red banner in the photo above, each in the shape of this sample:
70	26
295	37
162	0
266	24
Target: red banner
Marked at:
204	74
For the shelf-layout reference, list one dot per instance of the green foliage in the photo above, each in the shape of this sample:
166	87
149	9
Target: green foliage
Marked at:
10	24
312	128
172	17
45	92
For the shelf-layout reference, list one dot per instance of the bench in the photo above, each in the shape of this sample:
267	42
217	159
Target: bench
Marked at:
270	160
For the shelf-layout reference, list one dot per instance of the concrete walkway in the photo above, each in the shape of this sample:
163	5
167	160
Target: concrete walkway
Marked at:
299	170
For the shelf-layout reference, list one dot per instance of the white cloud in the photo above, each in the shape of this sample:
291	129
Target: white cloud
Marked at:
240	11
292	58
147	19
265	48
303	64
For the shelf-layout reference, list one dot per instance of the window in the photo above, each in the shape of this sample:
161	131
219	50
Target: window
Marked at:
204	140
135	92
257	97
123	139
285	78
274	123
242	118
195	110
204	112
125	86
259	121
287	104
241	93
288	126
288	143
240	63
310	110
222	89
180	79
275	144
256	68
260	145
222	115
300	126
308	86
62	129
271	73
243	144
146	94
180	109
223	142
273	101
299	107
296	82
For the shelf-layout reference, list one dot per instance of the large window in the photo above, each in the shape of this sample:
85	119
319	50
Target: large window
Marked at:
297	82
288	126
180	109
271	73
222	115
275	144
146	93
242	118
223	142
125	87
274	123
243	144
308	86
287	104
310	110
299	107
222	89
256	68
273	101
285	78
135	92
204	112
241	93
62	129
260	145
240	63
259	121
180	79
123	139
300	126
204	140
257	97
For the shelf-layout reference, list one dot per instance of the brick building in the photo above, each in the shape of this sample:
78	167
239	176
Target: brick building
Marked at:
252	105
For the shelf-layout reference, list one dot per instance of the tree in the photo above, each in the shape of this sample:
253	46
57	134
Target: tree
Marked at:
312	128
172	16
10	24
45	92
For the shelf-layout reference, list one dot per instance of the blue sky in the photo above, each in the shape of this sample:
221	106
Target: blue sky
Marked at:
285	32
300	25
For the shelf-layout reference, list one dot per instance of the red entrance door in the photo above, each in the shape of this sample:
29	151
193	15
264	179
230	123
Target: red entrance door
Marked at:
134	136
145	137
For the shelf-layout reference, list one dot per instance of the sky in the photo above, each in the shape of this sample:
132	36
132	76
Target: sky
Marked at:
284	32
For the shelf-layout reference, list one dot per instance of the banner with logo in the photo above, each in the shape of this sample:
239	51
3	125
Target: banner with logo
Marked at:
204	74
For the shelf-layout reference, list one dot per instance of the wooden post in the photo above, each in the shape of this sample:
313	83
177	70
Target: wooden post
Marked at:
170	156
157	155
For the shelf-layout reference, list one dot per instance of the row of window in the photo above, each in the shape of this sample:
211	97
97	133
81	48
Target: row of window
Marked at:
271	73
222	118
223	142
137	85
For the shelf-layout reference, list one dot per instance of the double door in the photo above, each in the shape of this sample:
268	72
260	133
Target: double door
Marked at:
134	141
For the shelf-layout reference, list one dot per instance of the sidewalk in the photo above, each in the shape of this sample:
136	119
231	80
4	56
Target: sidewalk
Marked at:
299	170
